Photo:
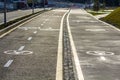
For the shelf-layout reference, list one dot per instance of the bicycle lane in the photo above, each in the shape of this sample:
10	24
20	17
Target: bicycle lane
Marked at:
30	52
97	45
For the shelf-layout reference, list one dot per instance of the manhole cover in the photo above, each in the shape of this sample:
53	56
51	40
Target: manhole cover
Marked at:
15	52
99	53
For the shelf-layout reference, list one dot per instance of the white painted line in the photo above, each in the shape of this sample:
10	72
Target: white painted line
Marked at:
75	56
26	29
59	67
76	20
49	29
46	19
96	30
8	63
35	32
102	58
42	24
21	48
30	38
39	27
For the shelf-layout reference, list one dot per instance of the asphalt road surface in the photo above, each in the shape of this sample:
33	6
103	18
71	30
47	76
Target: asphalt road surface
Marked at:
97	45
16	14
30	52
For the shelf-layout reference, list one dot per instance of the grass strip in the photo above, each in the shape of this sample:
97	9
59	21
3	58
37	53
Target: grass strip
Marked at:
113	18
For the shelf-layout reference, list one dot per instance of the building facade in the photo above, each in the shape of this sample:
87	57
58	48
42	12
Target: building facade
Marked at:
21	4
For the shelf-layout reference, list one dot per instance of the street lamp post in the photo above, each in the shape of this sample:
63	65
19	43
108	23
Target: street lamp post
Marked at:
5	10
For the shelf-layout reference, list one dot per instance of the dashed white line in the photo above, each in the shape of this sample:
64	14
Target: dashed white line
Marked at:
102	58
46	19
21	48
8	63
74	51
50	28
42	24
39	27
26	29
35	32
95	30
30	38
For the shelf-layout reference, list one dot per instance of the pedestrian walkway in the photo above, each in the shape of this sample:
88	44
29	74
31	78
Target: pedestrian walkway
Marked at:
97	45
17	14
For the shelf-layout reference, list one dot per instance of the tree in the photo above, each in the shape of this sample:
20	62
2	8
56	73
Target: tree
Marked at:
96	5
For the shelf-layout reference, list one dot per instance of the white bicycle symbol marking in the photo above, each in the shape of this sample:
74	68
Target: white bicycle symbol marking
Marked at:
99	53
16	52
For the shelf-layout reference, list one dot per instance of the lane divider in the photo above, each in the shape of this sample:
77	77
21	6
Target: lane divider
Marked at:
59	67
30	38
8	63
74	51
42	24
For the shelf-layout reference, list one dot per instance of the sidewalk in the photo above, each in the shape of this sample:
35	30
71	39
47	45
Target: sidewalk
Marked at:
17	14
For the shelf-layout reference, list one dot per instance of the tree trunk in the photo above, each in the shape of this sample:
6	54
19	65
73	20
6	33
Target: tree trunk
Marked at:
96	5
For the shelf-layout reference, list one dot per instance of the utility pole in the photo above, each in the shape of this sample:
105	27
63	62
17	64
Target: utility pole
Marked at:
5	10
104	4
96	5
33	6
44	4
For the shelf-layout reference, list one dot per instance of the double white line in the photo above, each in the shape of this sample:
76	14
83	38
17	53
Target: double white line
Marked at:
59	69
74	51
